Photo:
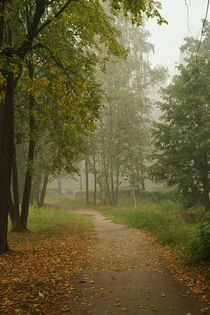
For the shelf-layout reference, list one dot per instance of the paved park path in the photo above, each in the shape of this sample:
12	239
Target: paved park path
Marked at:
128	276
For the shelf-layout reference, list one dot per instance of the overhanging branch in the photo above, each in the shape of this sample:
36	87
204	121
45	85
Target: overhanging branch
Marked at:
52	18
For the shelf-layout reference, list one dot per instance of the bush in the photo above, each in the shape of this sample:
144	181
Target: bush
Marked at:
199	249
193	214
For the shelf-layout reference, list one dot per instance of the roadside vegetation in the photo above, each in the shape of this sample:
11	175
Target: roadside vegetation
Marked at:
184	232
162	215
38	275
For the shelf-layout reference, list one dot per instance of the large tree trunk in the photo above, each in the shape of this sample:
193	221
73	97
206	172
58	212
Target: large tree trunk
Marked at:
6	155
11	211
7	112
31	150
16	222
43	192
86	180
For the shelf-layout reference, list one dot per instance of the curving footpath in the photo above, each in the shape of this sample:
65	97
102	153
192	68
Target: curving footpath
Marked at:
127	276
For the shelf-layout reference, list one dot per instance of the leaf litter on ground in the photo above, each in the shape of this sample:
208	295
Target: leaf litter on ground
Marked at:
38	276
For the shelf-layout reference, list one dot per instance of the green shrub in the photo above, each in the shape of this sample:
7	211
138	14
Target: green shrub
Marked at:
199	249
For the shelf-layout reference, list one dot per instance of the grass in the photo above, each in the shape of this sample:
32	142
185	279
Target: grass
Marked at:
163	220
49	222
169	224
38	275
49	218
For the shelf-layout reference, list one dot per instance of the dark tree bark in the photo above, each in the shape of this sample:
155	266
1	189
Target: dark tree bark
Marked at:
7	107
43	191
31	150
11	210
16	221
6	155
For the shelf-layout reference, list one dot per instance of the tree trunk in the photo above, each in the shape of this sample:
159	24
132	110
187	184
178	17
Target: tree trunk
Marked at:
31	150
134	196
95	178
86	180
59	186
6	155
38	190
80	177
16	221
117	187
43	192
143	185
27	187
107	193
11	211
112	188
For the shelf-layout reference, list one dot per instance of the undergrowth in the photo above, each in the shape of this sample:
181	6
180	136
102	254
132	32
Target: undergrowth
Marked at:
169	224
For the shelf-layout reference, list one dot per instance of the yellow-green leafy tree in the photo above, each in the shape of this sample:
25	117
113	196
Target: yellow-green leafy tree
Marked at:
22	26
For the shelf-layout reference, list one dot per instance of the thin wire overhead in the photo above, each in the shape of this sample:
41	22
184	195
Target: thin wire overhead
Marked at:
204	22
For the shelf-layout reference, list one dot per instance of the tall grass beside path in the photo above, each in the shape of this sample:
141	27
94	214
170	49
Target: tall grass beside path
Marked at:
163	220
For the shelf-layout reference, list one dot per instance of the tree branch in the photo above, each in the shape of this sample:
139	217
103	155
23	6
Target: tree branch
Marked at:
55	16
2	21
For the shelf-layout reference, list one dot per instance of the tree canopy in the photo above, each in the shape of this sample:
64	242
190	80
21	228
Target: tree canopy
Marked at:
57	42
181	138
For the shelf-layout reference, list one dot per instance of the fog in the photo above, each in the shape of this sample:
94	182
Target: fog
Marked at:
184	19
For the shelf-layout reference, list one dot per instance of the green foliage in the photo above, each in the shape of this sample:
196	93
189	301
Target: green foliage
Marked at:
47	218
121	140
153	217
199	249
181	138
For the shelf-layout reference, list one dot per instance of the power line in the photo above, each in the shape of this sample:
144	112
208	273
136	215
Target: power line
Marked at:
202	31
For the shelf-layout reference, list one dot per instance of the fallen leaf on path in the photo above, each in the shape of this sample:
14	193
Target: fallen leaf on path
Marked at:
41	268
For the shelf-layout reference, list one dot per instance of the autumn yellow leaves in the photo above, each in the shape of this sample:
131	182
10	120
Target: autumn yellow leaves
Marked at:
37	278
